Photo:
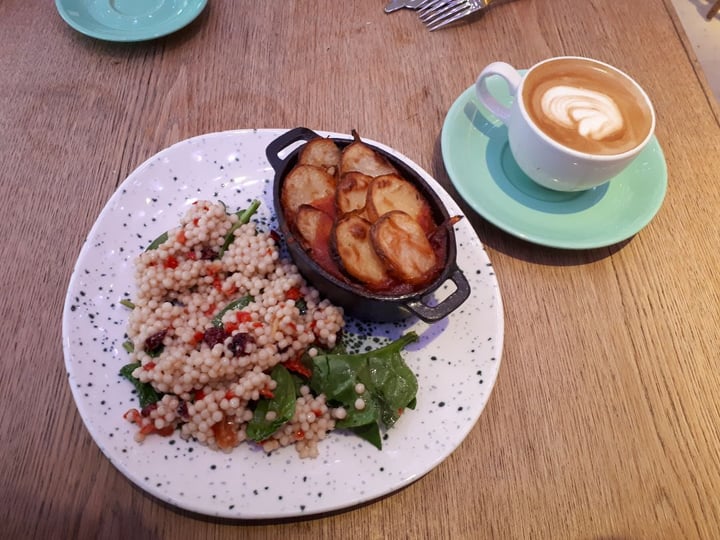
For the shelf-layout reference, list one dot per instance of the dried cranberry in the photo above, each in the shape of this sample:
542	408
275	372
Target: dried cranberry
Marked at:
207	253
147	409
182	409
154	343
239	342
213	336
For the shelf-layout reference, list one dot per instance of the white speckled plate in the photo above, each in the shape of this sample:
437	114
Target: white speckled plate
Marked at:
456	360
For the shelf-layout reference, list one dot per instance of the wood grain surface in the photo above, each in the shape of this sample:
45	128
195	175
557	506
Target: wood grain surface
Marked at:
605	419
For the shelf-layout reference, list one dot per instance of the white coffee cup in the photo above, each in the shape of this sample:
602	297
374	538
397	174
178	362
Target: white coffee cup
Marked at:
574	123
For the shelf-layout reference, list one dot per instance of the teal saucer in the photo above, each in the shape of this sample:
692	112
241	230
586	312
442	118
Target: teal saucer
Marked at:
129	20
481	167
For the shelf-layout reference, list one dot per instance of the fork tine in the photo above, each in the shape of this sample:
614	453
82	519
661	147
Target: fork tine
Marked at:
440	23
442	10
430	5
434	5
437	4
462	9
435	13
445	12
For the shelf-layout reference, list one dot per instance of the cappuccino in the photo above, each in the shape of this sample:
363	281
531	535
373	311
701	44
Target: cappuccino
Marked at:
587	106
572	123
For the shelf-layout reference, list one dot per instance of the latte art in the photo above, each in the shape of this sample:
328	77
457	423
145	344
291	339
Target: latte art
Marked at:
591	114
586	106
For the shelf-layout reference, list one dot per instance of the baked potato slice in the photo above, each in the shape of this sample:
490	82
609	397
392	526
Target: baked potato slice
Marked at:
313	228
402	245
351	192
305	184
351	242
312	225
321	152
358	156
392	192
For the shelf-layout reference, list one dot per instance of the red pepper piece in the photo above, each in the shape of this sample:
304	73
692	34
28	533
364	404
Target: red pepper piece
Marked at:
298	367
230	327
198	337
166	431
293	294
243	316
170	262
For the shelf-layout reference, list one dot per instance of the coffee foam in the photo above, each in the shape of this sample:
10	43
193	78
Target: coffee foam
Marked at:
591	114
586	106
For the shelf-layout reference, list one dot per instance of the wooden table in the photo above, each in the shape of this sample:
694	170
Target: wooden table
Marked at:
604	422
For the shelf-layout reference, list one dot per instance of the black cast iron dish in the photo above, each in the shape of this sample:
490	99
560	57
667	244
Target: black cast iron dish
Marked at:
356	300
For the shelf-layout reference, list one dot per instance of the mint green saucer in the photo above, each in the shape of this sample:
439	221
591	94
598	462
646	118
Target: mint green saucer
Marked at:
482	169
128	20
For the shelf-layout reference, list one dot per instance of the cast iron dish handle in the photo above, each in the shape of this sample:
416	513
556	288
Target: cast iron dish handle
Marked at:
431	314
283	141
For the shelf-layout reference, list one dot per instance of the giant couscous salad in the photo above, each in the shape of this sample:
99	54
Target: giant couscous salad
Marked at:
228	343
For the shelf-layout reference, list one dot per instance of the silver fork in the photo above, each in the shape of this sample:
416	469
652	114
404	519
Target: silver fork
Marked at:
439	13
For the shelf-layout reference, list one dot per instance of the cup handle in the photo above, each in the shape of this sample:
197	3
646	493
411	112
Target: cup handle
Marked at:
512	78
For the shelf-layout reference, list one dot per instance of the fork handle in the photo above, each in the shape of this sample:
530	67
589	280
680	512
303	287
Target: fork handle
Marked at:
513	80
394	5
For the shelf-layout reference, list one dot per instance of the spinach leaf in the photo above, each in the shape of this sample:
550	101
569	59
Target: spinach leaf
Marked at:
157	242
393	383
127	303
243	218
369	432
235	304
146	393
298	382
301	306
307	360
282	404
390	385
